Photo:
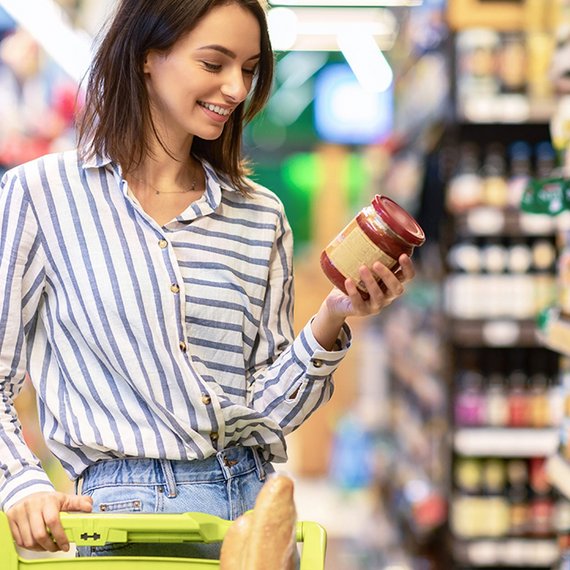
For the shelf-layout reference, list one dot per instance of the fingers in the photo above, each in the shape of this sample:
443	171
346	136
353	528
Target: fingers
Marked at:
77	503
381	283
408	271
35	522
37	533
53	522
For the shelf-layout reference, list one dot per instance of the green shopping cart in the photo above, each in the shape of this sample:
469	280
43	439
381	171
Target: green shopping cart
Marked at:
86	529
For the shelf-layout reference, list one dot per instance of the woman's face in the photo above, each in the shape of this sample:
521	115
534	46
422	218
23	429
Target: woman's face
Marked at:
194	89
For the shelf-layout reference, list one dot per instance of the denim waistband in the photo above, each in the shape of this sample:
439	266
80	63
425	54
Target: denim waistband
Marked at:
227	463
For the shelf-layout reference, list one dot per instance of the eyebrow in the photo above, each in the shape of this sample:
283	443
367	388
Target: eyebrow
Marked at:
227	51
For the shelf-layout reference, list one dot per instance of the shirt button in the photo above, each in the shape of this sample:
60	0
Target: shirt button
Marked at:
182	346
214	436
162	243
206	399
174	288
317	362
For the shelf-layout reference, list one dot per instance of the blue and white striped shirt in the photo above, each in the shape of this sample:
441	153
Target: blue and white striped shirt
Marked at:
147	341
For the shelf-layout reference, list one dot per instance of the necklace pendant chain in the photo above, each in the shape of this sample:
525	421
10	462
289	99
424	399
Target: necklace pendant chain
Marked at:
157	192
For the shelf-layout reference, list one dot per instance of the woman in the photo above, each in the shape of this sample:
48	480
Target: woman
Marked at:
149	289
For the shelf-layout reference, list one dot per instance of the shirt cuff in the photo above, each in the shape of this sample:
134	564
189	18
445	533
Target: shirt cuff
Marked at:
28	481
318	361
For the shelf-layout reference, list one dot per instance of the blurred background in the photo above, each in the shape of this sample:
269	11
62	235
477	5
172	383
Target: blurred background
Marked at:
434	451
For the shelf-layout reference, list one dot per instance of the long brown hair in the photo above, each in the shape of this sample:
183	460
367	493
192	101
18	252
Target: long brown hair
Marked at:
116	115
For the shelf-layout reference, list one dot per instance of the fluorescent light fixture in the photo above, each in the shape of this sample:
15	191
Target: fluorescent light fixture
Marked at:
283	24
366	61
345	4
317	29
46	21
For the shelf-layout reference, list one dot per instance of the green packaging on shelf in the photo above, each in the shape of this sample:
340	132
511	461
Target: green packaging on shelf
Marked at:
546	196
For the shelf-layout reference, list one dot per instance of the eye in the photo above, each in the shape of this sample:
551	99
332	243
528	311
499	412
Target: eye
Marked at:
250	71
212	67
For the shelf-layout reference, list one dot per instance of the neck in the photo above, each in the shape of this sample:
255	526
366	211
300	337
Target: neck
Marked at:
168	173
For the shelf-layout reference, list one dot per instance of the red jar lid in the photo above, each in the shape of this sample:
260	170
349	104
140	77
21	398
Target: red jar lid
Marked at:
399	221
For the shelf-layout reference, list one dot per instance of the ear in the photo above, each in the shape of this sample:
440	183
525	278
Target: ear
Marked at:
148	61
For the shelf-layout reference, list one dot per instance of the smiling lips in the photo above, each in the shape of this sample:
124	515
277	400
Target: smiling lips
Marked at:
223	113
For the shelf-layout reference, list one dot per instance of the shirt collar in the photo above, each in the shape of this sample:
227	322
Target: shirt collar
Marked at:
210	201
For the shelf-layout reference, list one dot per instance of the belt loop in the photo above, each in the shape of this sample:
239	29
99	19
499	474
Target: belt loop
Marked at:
258	463
221	458
78	485
169	478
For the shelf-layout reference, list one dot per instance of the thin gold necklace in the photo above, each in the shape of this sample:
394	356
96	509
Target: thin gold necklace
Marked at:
158	192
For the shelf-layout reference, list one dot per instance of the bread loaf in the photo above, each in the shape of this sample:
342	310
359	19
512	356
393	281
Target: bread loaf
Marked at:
232	556
272	544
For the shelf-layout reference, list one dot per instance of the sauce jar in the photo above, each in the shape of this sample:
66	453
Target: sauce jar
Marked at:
381	231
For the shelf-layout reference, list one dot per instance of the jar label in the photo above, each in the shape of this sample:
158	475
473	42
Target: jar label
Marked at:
352	248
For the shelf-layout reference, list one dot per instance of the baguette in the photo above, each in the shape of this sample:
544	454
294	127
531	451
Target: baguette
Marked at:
235	542
272	542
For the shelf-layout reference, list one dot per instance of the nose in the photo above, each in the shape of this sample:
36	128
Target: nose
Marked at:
236	86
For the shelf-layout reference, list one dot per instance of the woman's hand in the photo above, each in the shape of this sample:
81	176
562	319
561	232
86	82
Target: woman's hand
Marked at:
35	524
337	306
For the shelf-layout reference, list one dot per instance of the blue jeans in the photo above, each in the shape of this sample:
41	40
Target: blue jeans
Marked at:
225	484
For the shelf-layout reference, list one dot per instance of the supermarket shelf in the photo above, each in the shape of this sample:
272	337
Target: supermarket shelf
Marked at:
493	221
506	442
493	332
506	108
513	552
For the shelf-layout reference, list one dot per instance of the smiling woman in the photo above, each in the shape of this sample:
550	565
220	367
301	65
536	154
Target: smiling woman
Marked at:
148	288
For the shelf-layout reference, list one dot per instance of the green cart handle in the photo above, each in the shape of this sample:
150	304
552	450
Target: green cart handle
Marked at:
88	529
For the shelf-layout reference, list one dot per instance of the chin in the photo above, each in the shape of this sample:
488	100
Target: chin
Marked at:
210	134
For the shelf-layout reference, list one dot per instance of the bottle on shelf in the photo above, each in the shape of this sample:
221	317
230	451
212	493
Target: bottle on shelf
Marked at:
518	401
495	186
469	399
545	160
518	496
520	171
497	405
465	189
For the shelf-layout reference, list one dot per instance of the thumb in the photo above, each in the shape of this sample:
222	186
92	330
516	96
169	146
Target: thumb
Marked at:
77	503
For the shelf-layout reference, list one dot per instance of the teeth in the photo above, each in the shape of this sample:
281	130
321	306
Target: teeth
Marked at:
215	109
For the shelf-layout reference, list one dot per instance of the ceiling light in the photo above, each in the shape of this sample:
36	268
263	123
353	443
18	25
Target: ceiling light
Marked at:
316	29
343	3
366	61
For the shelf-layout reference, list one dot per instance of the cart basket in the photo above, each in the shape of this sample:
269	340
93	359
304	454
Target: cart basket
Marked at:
87	529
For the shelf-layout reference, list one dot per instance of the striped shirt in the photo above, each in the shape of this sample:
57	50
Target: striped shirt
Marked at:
141	340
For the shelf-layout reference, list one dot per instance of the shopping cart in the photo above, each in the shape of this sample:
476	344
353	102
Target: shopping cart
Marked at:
86	529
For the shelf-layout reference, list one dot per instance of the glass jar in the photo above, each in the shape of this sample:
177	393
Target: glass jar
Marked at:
381	232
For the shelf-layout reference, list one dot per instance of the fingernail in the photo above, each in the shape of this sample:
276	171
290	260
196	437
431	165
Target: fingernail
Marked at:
65	547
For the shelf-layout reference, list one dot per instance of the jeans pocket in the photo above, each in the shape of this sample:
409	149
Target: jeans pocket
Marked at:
129	506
